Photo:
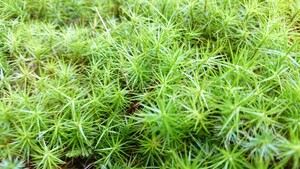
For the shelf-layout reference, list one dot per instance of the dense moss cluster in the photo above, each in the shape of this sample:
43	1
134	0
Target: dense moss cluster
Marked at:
150	83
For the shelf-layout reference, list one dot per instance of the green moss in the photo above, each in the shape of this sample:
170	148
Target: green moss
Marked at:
158	84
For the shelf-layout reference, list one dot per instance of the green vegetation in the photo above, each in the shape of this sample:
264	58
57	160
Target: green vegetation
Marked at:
150	83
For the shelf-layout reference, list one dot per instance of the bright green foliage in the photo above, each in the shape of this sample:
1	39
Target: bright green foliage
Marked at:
150	83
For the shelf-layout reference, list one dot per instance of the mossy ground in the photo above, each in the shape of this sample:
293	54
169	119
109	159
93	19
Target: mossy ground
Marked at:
150	83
